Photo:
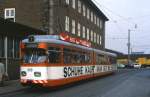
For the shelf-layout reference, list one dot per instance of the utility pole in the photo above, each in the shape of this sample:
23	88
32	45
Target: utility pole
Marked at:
129	45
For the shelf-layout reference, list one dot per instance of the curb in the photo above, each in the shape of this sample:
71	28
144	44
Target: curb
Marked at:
4	93
9	87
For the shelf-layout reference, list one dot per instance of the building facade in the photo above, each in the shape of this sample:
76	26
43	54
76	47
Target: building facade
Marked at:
80	18
10	36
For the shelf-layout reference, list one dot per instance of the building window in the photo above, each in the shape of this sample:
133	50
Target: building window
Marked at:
91	16
101	24
84	10
10	14
95	19
67	24
88	13
67	2
73	27
74	4
95	38
91	35
88	34
79	29
79	6
100	40
84	32
98	23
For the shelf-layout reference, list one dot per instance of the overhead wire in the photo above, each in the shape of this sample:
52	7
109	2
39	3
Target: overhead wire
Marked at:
114	21
117	26
115	38
128	20
116	14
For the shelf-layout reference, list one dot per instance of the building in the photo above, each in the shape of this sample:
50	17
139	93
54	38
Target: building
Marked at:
78	18
10	35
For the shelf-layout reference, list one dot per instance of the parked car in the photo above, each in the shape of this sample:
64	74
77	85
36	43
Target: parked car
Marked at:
120	66
136	65
130	66
2	73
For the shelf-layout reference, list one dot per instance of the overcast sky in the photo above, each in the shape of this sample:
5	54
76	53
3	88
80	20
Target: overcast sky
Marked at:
124	15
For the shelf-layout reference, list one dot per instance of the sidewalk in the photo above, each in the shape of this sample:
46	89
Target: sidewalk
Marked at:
11	86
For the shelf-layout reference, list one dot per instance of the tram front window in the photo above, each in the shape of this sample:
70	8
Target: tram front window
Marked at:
35	56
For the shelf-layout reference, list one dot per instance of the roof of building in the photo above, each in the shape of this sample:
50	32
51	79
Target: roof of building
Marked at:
97	9
12	28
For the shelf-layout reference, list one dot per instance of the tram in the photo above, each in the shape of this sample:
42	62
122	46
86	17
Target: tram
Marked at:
56	60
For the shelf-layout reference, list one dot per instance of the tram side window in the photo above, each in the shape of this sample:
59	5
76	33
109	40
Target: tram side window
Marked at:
54	55
76	57
71	57
102	59
107	60
86	59
82	58
99	59
67	56
112	60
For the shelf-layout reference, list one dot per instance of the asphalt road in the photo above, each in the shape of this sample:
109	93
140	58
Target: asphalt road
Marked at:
124	83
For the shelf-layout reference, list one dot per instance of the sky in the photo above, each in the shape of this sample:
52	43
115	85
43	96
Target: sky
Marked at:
124	15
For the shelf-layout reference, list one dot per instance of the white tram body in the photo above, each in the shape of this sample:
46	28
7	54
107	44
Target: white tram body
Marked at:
47	61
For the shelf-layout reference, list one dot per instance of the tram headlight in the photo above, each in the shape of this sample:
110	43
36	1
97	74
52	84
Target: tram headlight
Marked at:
23	73
37	74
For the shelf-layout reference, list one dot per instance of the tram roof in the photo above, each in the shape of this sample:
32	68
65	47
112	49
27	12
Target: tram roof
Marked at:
56	40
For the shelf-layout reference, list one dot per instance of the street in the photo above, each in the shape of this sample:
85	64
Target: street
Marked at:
124	83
